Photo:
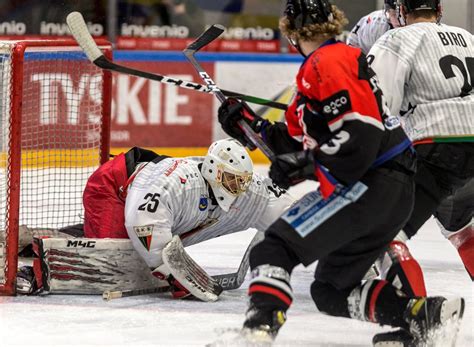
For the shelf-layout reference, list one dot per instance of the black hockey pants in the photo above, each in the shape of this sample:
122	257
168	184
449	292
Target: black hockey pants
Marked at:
348	242
444	186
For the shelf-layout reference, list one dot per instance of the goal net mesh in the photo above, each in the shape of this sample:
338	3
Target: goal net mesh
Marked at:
51	136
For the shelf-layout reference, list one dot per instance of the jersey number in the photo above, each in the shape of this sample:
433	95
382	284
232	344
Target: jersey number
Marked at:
151	203
446	64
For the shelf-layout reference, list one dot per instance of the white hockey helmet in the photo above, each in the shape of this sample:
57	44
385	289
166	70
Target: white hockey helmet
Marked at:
228	169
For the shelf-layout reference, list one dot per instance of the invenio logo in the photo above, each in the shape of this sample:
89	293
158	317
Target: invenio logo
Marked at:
174	31
133	30
46	28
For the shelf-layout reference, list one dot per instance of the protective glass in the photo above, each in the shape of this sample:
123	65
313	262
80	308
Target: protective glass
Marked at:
236	184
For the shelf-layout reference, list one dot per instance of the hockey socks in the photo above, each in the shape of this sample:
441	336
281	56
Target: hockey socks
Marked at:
402	270
378	302
463	240
270	297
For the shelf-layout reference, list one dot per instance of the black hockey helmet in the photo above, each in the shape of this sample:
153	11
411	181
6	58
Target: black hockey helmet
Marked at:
416	5
390	4
305	12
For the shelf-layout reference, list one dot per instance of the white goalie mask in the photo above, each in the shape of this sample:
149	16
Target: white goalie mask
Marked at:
228	169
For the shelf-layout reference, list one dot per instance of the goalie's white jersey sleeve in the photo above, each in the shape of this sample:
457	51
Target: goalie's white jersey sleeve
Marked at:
172	198
426	72
368	30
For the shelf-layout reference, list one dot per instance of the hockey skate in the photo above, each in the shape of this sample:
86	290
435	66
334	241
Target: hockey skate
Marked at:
261	326
432	321
26	281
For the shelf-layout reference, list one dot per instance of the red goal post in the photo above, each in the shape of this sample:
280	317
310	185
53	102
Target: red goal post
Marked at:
54	132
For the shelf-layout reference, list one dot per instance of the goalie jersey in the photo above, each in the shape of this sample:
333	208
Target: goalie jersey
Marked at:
426	72
172	198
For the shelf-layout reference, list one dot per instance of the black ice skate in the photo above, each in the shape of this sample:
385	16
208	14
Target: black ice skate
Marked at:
432	321
262	326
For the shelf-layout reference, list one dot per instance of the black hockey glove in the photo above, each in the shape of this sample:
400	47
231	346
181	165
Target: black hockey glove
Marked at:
292	168
232	111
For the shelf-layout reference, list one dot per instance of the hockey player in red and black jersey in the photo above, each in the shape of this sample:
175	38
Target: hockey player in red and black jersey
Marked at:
338	131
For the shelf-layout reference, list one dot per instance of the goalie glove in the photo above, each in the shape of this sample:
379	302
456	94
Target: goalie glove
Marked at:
292	168
231	112
176	289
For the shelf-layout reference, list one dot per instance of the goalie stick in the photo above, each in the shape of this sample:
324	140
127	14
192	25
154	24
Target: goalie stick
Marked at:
203	40
78	28
228	281
110	294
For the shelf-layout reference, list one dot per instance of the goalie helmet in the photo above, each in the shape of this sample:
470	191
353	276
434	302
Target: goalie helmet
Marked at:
228	169
305	12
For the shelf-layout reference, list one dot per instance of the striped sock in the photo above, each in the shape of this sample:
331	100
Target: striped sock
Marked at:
270	287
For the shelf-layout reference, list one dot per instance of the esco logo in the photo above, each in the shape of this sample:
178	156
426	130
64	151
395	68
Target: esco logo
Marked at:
334	106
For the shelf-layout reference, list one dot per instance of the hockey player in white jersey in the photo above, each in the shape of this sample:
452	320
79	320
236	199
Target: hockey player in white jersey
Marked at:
452	215
198	198
426	71
372	26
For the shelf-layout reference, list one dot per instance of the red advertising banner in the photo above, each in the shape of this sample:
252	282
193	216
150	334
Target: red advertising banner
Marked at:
64	99
60	98
151	114
175	44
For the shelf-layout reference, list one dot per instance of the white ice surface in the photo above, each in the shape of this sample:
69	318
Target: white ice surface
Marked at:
157	320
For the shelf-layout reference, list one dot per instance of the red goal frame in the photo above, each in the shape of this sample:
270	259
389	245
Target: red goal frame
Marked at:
14	154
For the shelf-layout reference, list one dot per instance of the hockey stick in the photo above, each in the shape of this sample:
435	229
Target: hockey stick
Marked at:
207	37
79	30
110	295
228	281
234	280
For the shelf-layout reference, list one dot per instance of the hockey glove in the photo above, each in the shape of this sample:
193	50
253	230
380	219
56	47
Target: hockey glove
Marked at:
176	289
292	168
232	111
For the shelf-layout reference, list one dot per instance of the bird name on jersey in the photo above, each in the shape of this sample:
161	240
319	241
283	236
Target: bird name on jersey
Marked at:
453	39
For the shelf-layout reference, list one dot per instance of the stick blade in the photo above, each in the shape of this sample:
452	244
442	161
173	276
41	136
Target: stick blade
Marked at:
79	30
205	38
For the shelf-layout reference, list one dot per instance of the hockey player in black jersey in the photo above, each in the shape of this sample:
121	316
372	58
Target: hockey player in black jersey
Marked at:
337	131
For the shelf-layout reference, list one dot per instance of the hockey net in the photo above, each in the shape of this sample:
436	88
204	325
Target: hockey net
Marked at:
54	132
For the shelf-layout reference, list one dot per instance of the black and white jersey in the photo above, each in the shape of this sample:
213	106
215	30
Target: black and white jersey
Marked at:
368	30
172	198
426	72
